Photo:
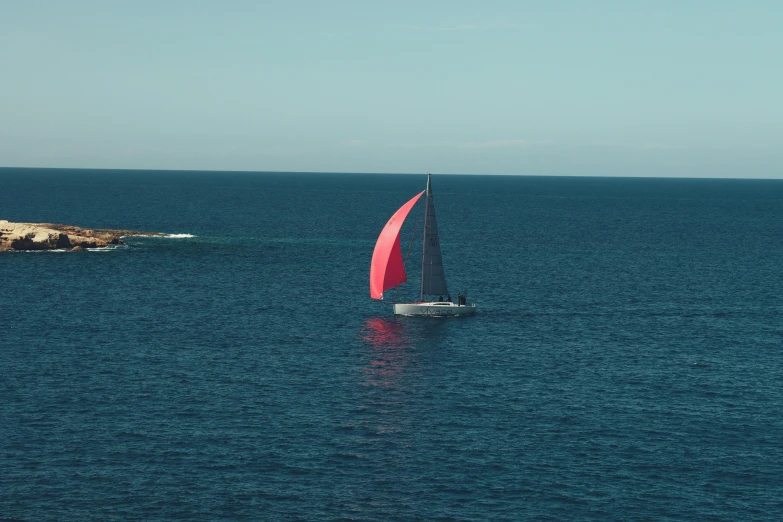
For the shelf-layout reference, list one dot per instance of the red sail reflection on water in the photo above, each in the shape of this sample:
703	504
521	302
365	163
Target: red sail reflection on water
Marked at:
384	333
389	356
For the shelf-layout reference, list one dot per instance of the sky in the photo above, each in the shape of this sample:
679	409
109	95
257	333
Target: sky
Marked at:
599	88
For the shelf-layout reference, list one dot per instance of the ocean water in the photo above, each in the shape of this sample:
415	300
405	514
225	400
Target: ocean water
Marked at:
625	363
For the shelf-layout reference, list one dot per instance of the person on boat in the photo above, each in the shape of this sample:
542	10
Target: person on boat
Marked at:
440	298
448	298
459	298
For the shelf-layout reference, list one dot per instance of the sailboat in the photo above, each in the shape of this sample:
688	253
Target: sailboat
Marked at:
387	269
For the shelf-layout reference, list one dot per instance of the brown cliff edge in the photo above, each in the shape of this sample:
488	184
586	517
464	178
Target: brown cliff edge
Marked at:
49	236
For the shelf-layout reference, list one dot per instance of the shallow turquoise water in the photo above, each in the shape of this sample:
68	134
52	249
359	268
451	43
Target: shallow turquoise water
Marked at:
625	363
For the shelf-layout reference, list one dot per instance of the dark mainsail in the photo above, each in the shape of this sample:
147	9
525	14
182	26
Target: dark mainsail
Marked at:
433	280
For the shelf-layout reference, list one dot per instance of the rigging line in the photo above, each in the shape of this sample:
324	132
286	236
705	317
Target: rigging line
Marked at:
405	263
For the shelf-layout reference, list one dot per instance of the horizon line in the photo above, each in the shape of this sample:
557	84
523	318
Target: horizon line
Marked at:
237	171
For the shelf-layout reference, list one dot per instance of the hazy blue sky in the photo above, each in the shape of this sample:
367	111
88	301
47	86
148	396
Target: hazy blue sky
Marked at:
661	88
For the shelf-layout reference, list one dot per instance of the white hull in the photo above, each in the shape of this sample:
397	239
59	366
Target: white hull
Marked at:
434	309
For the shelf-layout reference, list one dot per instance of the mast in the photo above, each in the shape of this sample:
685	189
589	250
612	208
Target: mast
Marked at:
433	279
427	196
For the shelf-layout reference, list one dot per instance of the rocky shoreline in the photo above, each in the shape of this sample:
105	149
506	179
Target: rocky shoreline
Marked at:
49	236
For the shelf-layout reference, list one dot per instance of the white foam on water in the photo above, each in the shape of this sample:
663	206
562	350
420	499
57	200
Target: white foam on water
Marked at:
48	250
105	249
164	236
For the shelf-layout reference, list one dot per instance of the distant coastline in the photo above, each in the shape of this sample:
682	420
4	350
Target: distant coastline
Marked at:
50	236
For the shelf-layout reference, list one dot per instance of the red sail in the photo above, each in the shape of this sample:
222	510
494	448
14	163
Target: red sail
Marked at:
387	269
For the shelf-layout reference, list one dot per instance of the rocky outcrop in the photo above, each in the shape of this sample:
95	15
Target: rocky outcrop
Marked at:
48	236
63	241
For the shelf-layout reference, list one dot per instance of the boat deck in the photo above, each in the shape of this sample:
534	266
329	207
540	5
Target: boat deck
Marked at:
434	308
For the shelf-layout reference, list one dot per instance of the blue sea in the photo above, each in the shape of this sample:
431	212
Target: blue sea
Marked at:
626	362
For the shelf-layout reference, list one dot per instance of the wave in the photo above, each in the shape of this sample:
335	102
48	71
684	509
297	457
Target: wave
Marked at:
107	248
165	236
46	250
